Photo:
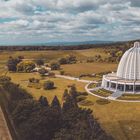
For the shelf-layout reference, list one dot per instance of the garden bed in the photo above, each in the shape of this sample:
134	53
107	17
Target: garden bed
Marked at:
102	92
130	97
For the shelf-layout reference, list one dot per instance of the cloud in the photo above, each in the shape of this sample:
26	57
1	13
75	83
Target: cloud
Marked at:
55	20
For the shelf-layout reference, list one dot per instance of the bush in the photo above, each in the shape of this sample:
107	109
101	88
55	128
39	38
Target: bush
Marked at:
62	72
4	79
39	62
33	80
25	66
42	71
48	85
63	61
55	66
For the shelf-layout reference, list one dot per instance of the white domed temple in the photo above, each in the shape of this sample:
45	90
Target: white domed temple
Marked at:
127	78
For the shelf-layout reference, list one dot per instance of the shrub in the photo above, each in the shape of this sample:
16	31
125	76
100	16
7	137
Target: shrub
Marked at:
4	79
42	71
55	66
25	66
39	62
33	80
48	85
62	72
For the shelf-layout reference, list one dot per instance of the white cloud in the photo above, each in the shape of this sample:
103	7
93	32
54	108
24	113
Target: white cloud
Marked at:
65	19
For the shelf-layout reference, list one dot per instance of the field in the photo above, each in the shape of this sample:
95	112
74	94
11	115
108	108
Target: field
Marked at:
88	68
121	120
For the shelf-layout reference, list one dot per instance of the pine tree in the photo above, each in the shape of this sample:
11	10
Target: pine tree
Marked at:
69	103
65	95
56	104
43	101
73	92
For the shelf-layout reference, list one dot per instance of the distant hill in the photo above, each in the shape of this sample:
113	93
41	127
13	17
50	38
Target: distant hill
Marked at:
70	46
72	43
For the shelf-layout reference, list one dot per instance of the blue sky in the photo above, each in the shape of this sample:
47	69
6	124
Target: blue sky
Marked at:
41	21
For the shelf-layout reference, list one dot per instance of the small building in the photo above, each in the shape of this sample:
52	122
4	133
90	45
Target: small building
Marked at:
127	77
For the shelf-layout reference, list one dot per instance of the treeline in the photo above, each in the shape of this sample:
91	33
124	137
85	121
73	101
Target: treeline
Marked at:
39	120
73	47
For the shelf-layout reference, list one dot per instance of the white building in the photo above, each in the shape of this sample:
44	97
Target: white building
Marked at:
127	78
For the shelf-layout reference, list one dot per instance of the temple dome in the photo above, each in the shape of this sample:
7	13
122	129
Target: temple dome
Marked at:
129	66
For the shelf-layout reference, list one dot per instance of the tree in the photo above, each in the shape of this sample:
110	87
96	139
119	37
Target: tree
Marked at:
49	85
39	62
56	104
42	71
55	66
63	61
43	100
25	66
12	63
73	92
71	59
69	103
65	95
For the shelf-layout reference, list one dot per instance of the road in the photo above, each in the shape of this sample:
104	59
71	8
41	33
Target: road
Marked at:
4	131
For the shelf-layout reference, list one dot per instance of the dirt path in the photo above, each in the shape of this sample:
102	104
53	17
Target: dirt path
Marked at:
4	131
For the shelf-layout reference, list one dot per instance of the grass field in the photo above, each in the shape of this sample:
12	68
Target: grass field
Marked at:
60	84
121	120
88	68
53	55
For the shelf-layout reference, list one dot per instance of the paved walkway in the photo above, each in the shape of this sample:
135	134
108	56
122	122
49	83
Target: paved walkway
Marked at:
115	95
74	78
4	131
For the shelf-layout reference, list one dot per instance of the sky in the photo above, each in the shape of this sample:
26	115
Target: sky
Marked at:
41	21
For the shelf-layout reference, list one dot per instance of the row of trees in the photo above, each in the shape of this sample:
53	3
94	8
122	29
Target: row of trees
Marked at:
41	120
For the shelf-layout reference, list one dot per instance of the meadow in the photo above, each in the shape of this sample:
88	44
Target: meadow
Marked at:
121	120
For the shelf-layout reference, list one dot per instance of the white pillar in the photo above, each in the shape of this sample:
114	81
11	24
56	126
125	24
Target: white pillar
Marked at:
116	86
109	85
134	88
124	87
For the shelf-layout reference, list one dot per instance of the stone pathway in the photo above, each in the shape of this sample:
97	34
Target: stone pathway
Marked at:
115	95
4	131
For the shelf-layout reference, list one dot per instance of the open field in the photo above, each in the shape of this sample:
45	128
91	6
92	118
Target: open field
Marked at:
88	68
60	84
53	55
